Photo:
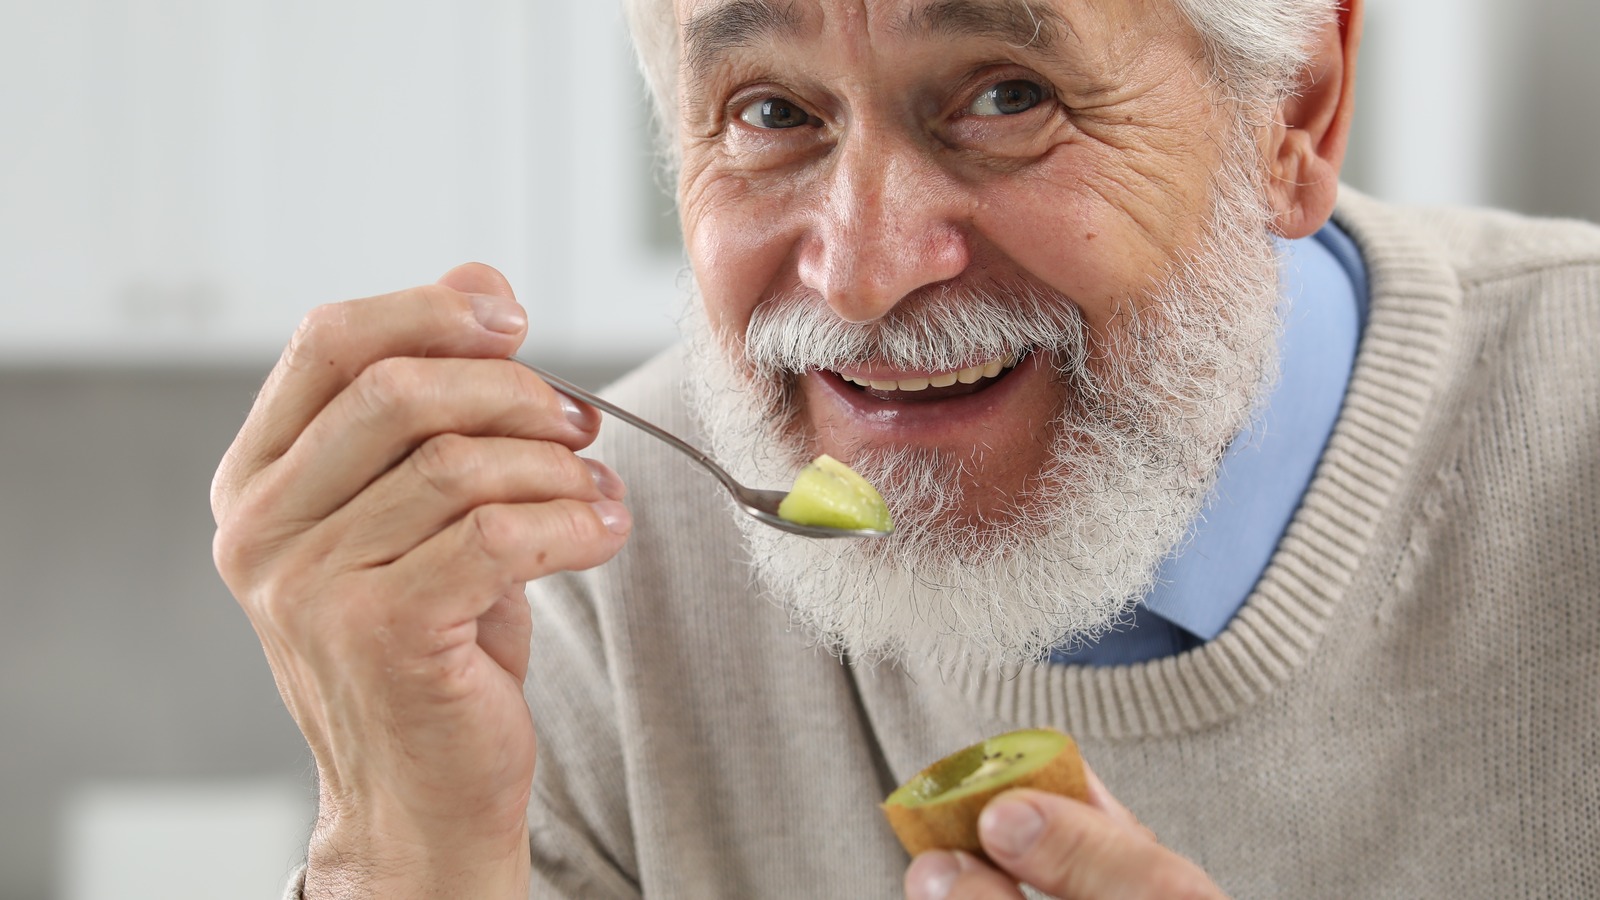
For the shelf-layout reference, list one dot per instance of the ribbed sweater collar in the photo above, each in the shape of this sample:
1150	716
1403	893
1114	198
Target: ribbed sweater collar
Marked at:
1415	297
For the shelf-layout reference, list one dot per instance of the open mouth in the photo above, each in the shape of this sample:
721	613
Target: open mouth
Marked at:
914	387
991	407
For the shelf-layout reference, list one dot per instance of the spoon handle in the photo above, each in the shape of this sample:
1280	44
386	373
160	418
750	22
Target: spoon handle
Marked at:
577	393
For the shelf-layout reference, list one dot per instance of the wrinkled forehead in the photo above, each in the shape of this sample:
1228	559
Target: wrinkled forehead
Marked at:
1025	20
710	27
708	31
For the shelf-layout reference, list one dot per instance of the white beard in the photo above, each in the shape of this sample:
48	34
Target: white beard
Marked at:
1132	459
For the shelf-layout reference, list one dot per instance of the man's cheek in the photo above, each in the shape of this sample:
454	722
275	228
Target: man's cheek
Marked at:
738	262
1080	244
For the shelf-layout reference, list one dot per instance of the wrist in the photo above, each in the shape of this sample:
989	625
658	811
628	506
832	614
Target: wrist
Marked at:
347	862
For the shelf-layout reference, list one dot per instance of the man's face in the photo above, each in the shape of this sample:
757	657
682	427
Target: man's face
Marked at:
1040	241
865	156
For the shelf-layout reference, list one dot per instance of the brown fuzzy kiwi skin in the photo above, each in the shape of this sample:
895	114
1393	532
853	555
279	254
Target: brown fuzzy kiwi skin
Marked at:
953	825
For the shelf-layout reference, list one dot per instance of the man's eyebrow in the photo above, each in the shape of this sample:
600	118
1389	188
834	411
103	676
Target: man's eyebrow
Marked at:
711	33
1016	22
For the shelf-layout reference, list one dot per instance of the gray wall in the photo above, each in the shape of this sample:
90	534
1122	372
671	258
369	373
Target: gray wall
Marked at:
122	655
1546	154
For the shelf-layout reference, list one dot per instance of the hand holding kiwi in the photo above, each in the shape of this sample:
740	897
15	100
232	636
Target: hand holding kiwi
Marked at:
938	808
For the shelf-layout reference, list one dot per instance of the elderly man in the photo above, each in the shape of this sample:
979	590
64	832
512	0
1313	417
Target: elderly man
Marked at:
1292	523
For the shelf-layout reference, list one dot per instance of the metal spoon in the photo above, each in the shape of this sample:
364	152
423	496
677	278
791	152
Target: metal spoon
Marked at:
763	505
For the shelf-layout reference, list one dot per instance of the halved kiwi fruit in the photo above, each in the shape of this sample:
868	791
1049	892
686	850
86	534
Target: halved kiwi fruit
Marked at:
938	809
829	493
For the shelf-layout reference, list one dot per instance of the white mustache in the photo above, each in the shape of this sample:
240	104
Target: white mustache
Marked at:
945	328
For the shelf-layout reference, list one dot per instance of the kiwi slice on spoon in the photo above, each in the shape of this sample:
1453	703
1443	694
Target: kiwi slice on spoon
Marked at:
831	494
938	808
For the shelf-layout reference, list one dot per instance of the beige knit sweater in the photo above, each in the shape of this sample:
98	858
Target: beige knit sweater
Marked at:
1408	705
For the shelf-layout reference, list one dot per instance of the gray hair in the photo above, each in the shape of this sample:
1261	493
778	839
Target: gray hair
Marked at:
1257	50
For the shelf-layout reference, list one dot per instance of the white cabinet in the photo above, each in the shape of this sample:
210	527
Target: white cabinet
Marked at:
180	180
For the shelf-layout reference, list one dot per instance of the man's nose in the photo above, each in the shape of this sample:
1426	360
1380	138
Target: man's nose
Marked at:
893	221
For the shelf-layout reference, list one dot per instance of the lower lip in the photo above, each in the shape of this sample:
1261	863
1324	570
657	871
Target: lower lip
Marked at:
925	421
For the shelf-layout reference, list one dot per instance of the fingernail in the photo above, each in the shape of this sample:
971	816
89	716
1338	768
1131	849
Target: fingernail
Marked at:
614	516
578	414
1010	827
932	876
608	481
498	314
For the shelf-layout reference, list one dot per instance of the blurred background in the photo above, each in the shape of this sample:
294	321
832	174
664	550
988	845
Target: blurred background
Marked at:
181	180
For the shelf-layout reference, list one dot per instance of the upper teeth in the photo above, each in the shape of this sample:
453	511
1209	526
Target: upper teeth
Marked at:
942	379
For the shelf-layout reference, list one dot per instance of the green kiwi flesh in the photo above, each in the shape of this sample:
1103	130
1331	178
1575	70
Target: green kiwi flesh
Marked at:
831	494
939	807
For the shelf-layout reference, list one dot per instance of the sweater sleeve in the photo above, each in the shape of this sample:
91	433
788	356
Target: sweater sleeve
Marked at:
580	829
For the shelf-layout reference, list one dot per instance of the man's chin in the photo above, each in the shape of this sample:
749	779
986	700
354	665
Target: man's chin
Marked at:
982	597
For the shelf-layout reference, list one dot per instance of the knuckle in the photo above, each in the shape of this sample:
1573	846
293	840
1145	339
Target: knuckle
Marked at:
532	540
578	526
444	675
230	553
434	295
385	387
446	462
442	307
497	529
276	604
312	339
241	545
272	574
278	608
527	389
568	471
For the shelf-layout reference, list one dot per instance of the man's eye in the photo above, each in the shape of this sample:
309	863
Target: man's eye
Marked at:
1007	99
774	112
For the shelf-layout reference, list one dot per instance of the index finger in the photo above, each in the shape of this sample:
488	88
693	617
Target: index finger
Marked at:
336	342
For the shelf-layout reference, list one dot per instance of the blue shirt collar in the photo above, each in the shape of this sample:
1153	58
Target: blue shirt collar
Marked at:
1266	470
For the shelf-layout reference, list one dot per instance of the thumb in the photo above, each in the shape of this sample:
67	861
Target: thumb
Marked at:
1069	849
478	278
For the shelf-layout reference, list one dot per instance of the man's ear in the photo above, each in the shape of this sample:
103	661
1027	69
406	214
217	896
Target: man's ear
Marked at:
1304	149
